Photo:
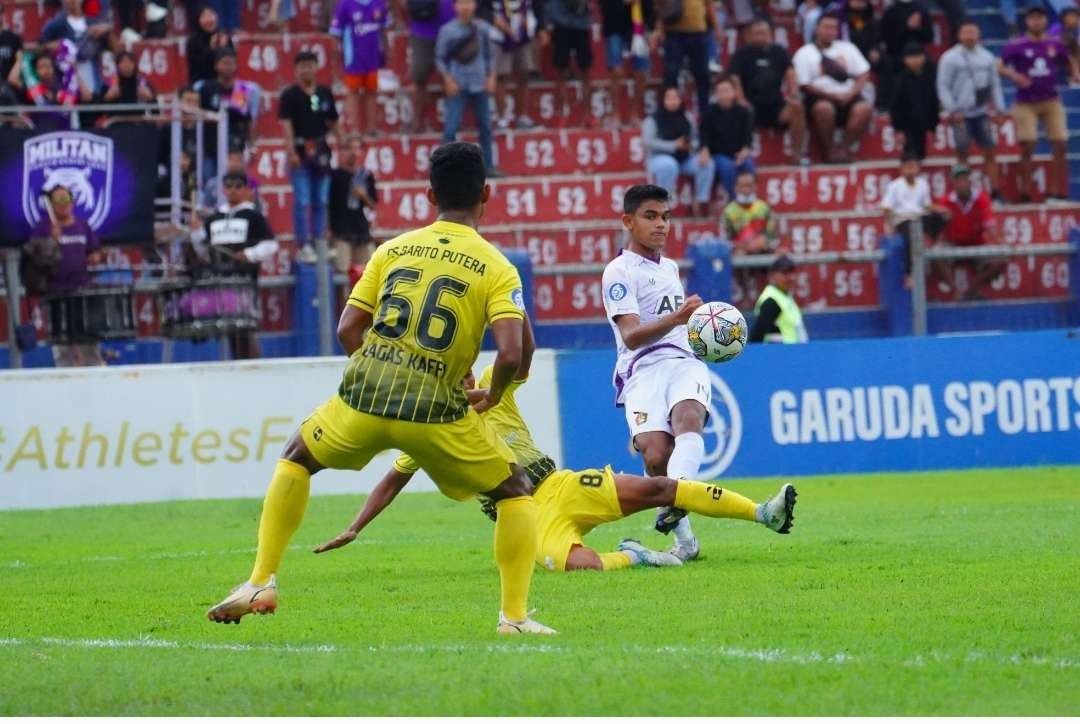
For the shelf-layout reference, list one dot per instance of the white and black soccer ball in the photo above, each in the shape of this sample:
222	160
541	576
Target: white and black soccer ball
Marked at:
717	332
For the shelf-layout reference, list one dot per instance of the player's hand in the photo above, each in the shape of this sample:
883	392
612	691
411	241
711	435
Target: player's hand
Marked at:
682	314
484	402
343	539
474	396
451	87
1023	81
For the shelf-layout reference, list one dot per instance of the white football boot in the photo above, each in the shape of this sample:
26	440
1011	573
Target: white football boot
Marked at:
778	513
528	626
244	599
648	556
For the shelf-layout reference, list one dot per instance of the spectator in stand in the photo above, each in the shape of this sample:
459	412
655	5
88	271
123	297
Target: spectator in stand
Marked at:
749	224
465	58
235	163
352	193
914	109
10	46
965	218
672	149
89	35
1008	11
1032	62
229	12
833	75
686	36
234	240
63	246
568	29
127	86
189	106
129	13
765	80
308	115
907	199
203	43
515	58
239	98
727	135
42	80
969	87
1067	30
625	26
426	17
360	26
806	19
904	22
859	25
280	13
777	317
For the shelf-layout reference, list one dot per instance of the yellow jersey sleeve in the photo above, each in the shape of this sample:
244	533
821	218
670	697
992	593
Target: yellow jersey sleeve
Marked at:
365	293
485	382
405	464
505	298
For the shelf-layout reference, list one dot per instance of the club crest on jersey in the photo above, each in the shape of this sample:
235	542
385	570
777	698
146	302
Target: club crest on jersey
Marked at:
640	418
518	299
81	162
616	291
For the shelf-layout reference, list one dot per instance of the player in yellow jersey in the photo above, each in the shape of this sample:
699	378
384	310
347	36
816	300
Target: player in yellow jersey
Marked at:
412	328
573	502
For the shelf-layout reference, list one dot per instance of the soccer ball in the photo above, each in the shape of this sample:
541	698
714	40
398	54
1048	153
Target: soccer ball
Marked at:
717	332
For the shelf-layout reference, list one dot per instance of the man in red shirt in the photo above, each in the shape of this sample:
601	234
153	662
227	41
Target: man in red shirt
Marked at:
968	221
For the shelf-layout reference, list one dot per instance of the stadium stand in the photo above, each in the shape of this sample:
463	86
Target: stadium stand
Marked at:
559	199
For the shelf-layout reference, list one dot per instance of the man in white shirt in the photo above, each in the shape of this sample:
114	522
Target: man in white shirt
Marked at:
906	199
664	388
832	75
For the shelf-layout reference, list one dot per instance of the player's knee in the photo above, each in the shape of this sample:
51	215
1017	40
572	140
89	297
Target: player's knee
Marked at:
656	456
515	486
297	452
583	559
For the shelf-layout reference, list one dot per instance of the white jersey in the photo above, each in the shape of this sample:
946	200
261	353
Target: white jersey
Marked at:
649	288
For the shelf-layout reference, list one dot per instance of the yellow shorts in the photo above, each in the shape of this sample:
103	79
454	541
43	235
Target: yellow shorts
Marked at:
464	457
573	502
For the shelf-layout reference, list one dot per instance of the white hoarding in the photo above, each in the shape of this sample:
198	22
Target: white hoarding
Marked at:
173	432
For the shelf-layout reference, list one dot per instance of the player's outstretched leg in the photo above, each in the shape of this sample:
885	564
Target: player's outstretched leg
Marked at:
516	542
647	556
283	509
630	553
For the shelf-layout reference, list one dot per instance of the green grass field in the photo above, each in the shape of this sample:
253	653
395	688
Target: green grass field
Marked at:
949	593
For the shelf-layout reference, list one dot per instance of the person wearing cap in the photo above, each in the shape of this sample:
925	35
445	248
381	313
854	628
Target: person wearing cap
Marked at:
233	241
777	317
1033	62
964	217
239	98
969	88
914	105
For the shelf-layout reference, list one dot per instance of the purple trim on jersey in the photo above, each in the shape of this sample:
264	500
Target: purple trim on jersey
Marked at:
620	383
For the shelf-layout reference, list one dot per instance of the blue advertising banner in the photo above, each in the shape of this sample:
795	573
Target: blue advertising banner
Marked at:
857	406
111	174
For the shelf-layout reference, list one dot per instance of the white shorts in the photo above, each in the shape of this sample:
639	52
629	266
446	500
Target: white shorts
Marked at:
653	391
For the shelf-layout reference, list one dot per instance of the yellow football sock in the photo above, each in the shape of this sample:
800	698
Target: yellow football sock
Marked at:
283	509
516	541
615	560
713	501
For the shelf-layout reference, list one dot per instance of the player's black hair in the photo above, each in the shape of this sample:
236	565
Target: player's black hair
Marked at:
305	56
759	20
910	156
746	172
234	176
724	77
968	20
457	176
637	195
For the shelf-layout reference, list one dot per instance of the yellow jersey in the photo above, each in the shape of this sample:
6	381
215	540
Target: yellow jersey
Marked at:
506	420
432	292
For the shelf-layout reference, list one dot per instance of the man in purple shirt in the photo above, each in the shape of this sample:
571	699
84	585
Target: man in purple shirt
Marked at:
425	19
360	26
1033	61
78	247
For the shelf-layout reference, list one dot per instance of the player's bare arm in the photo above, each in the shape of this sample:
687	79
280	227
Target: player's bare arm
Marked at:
528	349
508	334
381	497
636	335
352	326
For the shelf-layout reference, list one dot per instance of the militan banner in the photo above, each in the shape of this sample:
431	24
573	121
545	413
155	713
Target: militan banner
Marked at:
111	175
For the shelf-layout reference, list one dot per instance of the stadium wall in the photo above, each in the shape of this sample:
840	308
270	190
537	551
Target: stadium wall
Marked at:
1000	400
171	432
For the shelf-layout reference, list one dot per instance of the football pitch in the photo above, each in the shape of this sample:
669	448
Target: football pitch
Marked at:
942	593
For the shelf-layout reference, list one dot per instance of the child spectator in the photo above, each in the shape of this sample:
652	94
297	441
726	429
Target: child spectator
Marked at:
672	149
567	25
515	57
624	24
360	26
907	199
727	133
352	193
914	108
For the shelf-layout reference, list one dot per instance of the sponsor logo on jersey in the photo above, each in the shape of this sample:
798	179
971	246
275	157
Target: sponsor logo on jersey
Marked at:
723	431
616	291
640	418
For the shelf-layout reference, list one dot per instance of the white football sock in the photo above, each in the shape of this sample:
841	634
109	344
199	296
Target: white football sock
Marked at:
684	463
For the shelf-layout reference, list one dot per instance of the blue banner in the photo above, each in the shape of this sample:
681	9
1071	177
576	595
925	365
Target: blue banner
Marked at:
857	406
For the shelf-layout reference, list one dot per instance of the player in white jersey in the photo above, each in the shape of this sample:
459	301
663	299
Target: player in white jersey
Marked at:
663	387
